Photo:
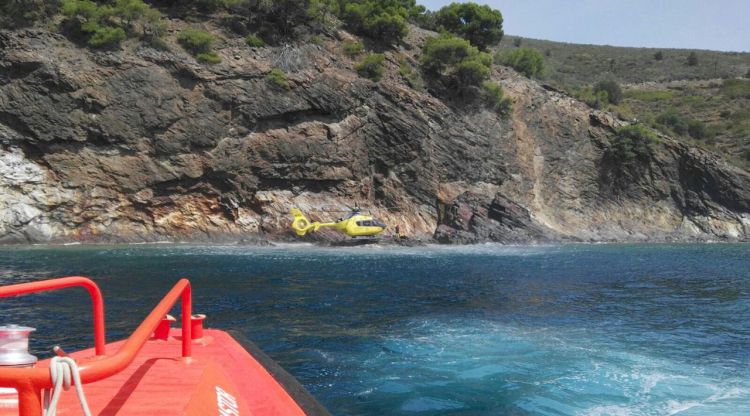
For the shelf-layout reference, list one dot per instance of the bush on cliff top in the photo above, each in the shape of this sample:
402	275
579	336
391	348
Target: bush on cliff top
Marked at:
597	100
633	142
455	62
381	20
277	20
384	20
108	23
527	61
611	88
480	25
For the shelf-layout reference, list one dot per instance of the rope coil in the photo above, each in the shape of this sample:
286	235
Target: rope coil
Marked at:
64	373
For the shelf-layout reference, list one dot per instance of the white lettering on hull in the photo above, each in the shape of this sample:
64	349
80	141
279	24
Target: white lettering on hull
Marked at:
227	403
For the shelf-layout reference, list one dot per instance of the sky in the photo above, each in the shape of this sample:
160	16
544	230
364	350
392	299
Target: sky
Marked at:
696	24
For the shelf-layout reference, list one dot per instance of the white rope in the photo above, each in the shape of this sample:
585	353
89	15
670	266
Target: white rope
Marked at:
62	370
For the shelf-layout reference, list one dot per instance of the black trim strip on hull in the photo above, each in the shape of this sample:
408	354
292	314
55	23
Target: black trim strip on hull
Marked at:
297	391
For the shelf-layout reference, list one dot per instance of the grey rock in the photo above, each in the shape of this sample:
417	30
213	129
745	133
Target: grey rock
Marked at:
147	145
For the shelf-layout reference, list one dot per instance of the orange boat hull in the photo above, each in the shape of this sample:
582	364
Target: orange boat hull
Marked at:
221	378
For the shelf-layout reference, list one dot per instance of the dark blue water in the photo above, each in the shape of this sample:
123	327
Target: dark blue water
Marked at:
488	330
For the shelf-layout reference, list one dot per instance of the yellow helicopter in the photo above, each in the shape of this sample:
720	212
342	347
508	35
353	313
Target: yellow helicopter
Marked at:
353	224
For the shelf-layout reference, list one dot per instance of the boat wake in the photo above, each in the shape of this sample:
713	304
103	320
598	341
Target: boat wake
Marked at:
542	372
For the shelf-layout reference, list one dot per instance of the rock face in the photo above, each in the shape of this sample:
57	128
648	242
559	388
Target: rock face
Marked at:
474	218
143	144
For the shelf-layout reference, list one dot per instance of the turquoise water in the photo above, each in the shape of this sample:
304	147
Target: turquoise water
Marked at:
484	330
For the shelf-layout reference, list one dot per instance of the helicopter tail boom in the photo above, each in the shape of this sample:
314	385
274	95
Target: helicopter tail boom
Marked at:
301	225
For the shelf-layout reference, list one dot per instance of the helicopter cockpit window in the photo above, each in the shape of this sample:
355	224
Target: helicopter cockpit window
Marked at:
370	223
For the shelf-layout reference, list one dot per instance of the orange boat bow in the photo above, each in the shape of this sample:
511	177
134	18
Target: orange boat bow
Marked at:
214	375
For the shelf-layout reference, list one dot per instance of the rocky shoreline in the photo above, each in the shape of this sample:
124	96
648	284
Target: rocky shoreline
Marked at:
144	144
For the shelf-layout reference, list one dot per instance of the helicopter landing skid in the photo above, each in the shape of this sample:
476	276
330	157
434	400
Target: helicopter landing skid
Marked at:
355	241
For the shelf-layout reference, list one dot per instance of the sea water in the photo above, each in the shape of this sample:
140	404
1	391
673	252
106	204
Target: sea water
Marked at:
480	330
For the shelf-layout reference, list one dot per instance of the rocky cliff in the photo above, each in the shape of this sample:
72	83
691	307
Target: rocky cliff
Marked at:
145	144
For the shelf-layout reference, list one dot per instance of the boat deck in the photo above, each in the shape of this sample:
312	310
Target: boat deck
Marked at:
221	378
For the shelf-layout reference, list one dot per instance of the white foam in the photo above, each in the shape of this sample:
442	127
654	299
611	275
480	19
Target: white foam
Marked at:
562	365
609	411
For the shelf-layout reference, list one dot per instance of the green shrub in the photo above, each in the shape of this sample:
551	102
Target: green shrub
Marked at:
208	57
376	20
697	130
322	16
480	25
455	61
131	10
278	78
371	67
444	52
106	36
659	56
672	120
412	77
597	100
153	25
494	98
611	88
527	61
84	9
649	95
381	20
747	75
255	42
19	13
692	59
633	142
110	23
353	47
157	42
196	40
276	20
736	88
404	69
746	154
423	18
472	72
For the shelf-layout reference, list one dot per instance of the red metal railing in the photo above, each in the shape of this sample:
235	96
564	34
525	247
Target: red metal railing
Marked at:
62	283
31	381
